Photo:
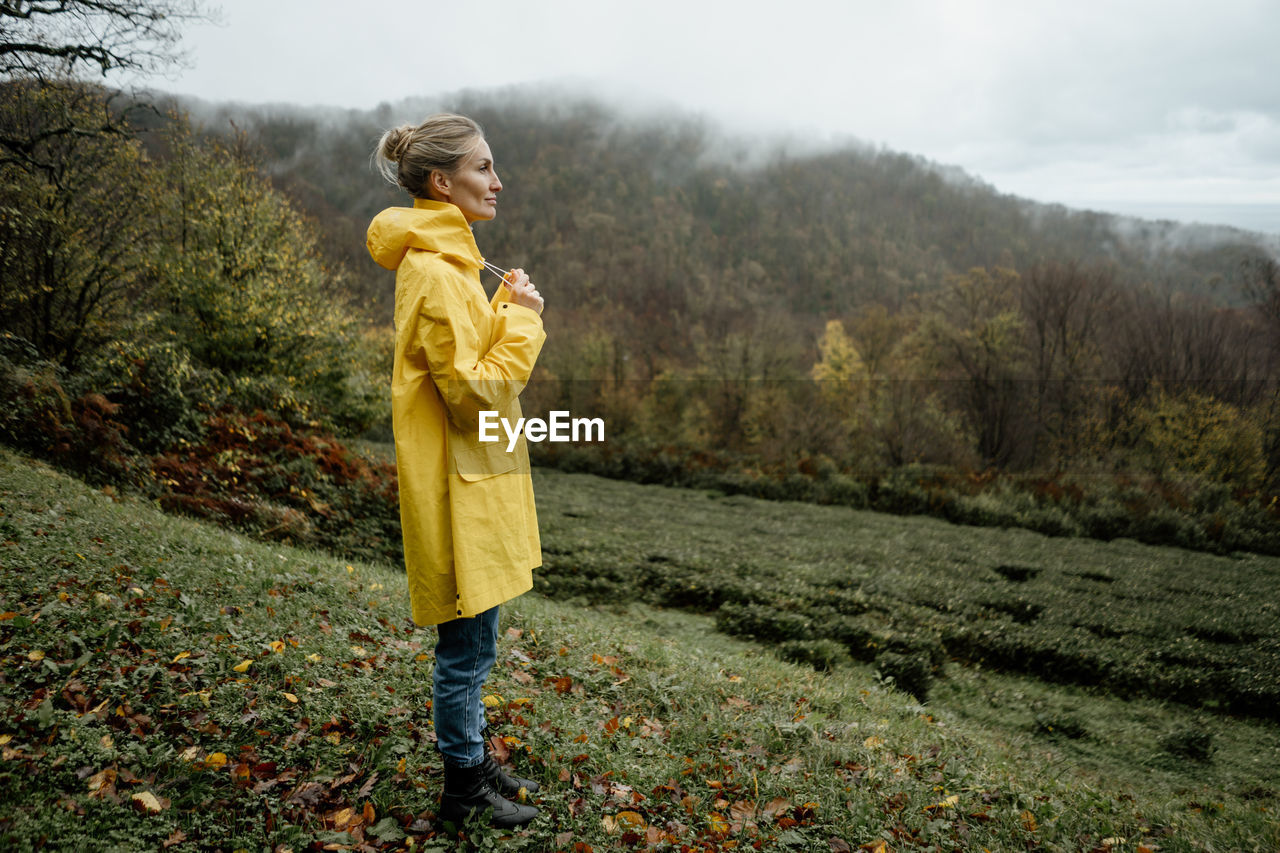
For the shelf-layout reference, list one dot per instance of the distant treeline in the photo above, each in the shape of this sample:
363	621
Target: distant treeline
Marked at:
947	322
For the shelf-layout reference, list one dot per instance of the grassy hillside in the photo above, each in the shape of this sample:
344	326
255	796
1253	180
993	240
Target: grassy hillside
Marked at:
168	683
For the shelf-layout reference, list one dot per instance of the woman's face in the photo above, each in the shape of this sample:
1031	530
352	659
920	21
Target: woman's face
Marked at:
474	187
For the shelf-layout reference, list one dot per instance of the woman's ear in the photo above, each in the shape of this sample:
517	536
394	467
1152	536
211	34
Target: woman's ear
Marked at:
439	182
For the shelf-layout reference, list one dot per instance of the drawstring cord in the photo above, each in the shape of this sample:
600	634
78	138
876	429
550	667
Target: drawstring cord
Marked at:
495	269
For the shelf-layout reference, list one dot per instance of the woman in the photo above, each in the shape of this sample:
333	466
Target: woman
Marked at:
466	506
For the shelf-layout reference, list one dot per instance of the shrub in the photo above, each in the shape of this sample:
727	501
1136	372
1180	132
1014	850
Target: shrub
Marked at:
1190	742
157	388
822	655
81	434
759	622
261	475
911	673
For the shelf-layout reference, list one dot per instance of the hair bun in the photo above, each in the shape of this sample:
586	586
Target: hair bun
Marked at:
396	142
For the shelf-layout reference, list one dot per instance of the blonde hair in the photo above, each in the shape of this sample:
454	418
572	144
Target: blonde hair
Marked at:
408	154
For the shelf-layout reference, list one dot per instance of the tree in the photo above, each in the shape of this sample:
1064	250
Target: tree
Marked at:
51	44
977	336
75	222
62	38
1063	303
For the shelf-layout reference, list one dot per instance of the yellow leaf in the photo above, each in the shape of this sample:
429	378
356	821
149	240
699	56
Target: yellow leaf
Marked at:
717	823
492	701
1029	821
216	759
291	697
190	754
180	656
36	656
147	802
872	742
314	658
630	820
243	666
949	803
103	779
400	765
107	742
277	646
5	739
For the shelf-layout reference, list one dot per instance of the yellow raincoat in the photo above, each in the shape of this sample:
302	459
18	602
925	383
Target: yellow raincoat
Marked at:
466	506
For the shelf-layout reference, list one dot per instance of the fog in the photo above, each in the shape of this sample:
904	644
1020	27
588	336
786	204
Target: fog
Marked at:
1112	106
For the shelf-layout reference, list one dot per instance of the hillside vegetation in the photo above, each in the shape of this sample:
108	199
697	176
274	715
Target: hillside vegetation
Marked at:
169	683
190	314
784	314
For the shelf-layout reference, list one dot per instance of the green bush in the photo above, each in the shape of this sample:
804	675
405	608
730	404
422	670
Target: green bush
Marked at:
1193	743
910	673
764	623
822	655
158	389
81	434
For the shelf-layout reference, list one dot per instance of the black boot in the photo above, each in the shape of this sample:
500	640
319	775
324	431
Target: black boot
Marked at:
467	792
505	784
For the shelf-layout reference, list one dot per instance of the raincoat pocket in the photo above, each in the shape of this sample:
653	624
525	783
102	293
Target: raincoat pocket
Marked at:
478	462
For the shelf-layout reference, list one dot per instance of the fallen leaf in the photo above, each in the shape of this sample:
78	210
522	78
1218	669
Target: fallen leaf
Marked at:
216	759
949	803
290	697
631	820
1029	821
775	807
102	783
243	666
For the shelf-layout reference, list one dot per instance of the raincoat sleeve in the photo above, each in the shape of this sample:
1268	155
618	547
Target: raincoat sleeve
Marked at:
475	374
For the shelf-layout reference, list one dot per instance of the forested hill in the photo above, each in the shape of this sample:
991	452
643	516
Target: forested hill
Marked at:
660	217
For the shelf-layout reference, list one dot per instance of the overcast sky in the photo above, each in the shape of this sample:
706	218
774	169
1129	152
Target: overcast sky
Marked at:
1157	107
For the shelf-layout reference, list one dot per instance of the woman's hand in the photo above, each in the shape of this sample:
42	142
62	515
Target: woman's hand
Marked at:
522	290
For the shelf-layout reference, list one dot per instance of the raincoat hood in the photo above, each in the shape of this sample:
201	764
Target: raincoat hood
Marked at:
436	226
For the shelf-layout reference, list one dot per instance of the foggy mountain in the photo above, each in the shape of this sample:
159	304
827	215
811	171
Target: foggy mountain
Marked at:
604	203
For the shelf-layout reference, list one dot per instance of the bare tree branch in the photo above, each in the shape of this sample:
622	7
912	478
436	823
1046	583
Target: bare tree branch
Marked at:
69	37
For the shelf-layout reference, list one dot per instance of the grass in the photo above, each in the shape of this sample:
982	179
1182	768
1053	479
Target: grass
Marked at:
1134	620
168	683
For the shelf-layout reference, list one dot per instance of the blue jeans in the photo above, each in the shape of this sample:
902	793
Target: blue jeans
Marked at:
465	652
